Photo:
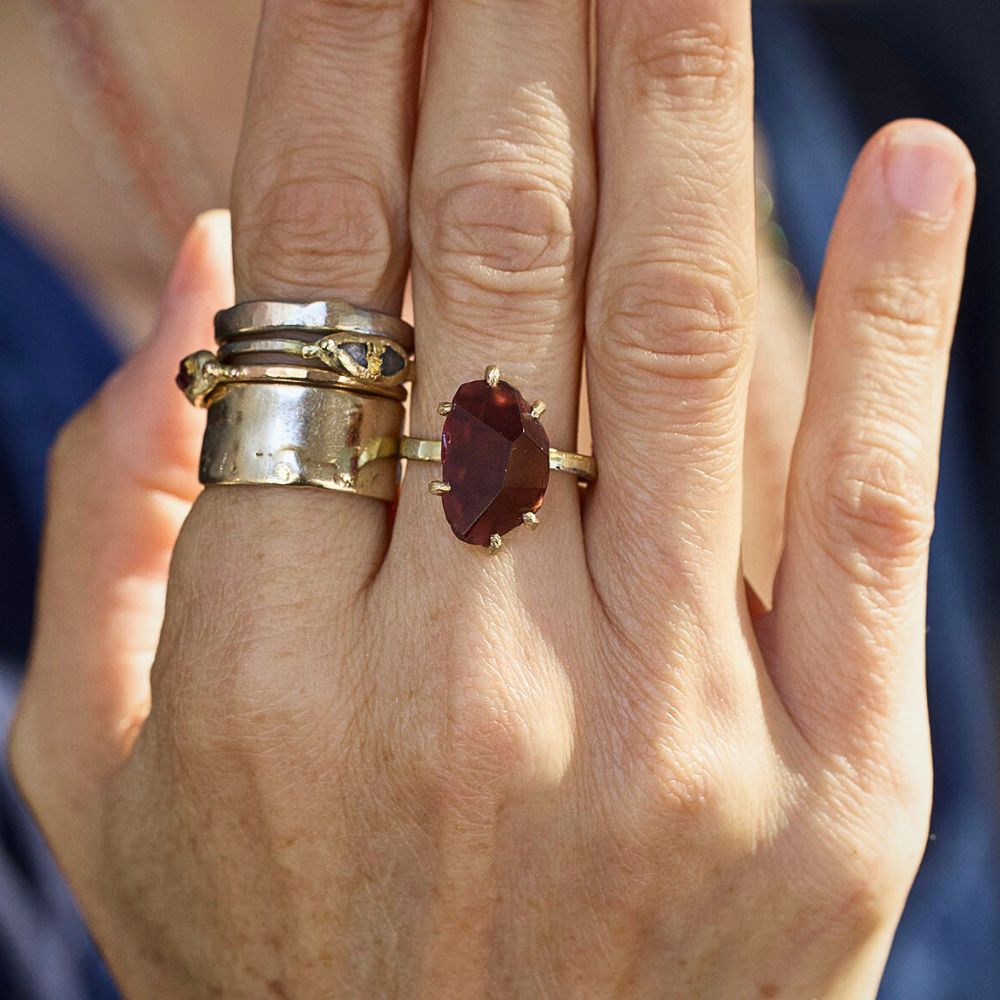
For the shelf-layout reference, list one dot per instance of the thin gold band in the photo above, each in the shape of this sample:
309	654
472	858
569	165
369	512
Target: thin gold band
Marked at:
203	374
329	352
584	467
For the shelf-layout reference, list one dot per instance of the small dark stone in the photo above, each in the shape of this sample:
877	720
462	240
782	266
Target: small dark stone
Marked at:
185	376
357	352
392	362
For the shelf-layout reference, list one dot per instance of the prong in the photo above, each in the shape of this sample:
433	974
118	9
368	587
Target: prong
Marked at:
495	542
530	519
492	376
445	408
438	488
537	408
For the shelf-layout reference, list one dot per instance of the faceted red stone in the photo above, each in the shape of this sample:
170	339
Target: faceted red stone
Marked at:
495	457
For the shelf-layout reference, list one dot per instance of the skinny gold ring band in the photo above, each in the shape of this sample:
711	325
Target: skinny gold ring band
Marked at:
367	359
584	467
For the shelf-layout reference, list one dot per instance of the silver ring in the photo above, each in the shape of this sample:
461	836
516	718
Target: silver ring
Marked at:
330	316
302	435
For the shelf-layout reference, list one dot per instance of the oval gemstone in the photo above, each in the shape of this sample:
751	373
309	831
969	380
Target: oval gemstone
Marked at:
495	458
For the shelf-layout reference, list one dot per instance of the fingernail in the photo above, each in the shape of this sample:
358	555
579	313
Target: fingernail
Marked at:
925	166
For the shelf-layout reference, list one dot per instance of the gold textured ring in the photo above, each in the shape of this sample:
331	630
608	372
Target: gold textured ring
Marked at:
495	459
202	374
331	315
367	359
302	435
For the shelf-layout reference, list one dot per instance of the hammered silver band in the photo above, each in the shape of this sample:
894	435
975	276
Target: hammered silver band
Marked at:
302	435
328	316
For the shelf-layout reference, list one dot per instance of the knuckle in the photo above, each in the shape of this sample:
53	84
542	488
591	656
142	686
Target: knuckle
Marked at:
370	19
675	780
314	231
674	322
244	725
496	739
882	502
903	313
498	234
864	864
689	67
486	751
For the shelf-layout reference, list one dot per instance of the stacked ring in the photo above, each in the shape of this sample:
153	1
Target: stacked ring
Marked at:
371	360
311	394
329	316
303	394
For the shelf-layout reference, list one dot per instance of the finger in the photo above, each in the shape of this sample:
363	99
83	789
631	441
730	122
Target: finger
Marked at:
501	222
672	297
847	631
319	208
122	477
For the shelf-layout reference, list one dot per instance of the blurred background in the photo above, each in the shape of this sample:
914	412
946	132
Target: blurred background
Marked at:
118	123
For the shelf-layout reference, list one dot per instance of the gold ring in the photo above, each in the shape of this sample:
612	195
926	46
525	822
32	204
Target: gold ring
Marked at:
202	374
302	435
495	459
367	359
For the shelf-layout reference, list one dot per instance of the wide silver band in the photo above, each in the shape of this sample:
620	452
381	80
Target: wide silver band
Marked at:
333	316
584	467
302	435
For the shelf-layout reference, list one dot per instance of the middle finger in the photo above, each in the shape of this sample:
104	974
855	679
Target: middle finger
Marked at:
501	221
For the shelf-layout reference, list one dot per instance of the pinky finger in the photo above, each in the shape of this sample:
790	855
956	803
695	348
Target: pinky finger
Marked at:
846	638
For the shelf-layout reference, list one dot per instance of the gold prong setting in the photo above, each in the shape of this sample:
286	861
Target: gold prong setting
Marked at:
460	430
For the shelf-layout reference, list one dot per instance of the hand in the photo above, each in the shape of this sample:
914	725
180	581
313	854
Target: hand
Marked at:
382	763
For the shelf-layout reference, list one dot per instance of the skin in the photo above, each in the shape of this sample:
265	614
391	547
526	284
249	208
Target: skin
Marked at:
371	761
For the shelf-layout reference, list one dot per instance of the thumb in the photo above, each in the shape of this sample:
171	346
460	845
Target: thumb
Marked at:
122	477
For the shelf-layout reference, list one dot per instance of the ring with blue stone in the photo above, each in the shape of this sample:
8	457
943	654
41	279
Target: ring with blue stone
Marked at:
371	360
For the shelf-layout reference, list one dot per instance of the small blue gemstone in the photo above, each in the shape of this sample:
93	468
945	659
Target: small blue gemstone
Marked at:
357	352
392	362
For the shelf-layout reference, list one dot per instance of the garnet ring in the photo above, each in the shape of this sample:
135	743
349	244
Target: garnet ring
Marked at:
495	460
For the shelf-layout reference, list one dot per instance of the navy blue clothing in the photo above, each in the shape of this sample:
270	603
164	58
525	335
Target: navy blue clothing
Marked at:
45	952
815	118
948	945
